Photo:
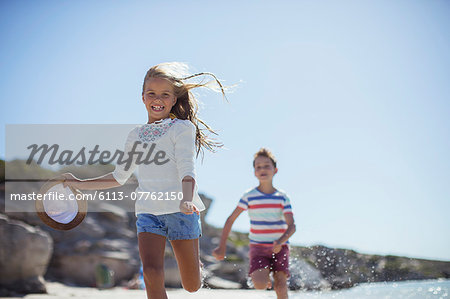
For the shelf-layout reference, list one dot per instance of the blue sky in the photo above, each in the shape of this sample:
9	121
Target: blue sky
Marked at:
351	96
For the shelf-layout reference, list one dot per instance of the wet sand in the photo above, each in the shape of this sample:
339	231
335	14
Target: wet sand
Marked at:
59	291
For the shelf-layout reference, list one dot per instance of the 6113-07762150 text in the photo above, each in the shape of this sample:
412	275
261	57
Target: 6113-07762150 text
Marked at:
99	195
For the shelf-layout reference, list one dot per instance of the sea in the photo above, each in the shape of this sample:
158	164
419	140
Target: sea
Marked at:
424	289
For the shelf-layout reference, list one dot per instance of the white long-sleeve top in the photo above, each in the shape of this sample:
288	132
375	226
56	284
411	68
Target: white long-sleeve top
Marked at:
160	187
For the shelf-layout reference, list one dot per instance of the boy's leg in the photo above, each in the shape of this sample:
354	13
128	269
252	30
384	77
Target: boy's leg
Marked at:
259	267
188	259
260	278
151	250
280	284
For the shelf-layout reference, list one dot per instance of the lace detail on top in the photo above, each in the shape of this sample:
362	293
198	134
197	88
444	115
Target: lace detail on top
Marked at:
154	131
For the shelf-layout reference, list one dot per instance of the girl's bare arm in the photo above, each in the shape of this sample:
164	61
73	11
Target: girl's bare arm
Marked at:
99	183
186	205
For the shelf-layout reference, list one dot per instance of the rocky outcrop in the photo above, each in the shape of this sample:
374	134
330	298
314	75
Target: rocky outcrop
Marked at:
24	256
108	237
305	276
103	238
344	268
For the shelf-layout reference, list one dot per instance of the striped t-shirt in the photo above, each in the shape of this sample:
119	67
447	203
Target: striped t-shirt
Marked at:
266	213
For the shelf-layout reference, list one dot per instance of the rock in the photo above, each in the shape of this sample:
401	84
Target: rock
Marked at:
74	260
102	238
111	213
344	282
31	285
79	269
215	282
172	276
207	202
231	271
24	256
305	276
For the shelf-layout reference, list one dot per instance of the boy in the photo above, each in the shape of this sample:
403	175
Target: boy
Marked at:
271	225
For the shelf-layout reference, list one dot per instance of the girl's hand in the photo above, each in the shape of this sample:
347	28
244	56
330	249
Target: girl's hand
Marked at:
70	180
219	253
188	208
276	246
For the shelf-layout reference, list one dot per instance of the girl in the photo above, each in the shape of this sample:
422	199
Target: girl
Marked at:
173	126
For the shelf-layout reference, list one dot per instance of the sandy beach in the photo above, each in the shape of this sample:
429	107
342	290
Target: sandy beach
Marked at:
438	288
59	291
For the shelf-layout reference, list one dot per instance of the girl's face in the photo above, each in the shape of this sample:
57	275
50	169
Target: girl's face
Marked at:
159	98
264	169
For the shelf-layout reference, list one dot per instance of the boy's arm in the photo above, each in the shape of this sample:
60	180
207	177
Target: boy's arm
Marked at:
219	252
289	218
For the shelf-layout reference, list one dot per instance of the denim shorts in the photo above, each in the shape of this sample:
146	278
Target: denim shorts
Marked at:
175	226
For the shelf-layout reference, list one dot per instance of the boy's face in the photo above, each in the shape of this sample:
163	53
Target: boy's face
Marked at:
264	169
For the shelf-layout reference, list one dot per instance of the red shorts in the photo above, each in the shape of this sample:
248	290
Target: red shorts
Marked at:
262	257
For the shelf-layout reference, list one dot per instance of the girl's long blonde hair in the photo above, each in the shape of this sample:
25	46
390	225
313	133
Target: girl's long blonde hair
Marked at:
186	106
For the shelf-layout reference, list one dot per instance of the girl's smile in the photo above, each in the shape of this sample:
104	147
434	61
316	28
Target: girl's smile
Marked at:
157	108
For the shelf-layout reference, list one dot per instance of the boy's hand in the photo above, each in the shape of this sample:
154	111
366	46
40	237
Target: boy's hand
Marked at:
188	208
276	246
219	253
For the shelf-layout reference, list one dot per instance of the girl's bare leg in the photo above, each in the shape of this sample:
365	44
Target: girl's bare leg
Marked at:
260	278
280	284
151	250
188	259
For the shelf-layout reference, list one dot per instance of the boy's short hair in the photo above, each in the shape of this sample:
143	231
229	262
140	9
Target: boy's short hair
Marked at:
264	152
